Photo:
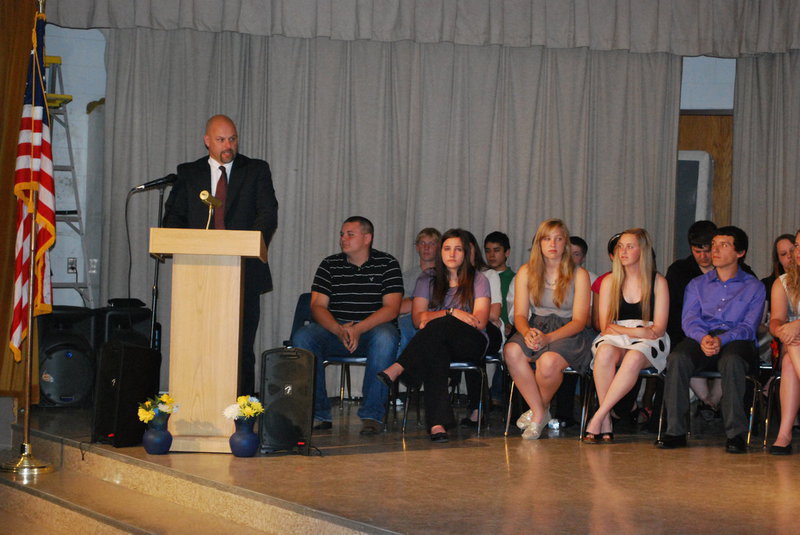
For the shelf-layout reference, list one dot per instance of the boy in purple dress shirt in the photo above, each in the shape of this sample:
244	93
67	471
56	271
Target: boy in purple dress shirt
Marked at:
721	311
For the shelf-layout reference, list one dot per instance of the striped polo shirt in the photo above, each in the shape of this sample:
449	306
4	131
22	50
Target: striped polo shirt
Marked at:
355	292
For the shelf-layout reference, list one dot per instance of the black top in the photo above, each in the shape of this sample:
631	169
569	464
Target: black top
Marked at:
633	311
355	292
679	274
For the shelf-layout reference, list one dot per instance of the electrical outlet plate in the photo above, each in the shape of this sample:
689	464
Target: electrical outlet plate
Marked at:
72	265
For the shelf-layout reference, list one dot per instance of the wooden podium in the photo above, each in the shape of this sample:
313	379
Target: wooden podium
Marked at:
205	329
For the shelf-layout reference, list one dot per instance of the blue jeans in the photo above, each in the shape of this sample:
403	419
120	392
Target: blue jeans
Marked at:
378	345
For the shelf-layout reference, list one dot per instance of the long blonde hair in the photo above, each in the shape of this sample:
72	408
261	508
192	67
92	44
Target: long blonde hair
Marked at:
646	268
793	279
536	267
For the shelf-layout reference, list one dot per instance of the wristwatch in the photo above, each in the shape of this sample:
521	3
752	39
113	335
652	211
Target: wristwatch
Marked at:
449	311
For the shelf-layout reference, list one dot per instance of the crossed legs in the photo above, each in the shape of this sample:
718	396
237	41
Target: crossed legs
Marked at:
537	387
616	371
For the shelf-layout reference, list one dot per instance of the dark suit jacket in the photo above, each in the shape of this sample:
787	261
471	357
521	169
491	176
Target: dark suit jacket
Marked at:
250	204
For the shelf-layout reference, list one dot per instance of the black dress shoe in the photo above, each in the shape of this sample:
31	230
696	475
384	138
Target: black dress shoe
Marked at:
323	425
469	424
440	437
780	450
736	445
670	442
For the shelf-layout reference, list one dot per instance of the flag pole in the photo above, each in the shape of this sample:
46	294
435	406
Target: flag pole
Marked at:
27	465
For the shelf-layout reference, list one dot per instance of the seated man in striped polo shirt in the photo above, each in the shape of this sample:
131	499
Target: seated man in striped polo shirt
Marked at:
355	299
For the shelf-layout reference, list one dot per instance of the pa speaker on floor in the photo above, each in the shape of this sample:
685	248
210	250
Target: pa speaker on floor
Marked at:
66	356
123	318
287	386
126	376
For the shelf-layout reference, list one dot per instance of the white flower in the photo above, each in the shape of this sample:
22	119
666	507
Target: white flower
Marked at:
231	411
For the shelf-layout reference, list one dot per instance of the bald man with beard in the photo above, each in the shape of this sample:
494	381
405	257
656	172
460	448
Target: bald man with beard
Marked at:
250	204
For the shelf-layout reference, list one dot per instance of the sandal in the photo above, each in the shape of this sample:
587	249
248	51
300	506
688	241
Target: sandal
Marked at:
606	438
591	438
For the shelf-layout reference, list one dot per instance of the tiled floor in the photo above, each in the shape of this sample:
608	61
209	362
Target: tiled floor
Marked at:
494	484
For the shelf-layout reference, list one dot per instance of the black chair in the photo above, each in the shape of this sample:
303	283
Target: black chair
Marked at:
302	316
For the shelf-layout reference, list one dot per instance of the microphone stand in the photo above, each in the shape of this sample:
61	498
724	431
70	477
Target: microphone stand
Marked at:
155	328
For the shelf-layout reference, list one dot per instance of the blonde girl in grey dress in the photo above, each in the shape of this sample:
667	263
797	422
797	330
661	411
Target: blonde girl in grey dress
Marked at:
551	312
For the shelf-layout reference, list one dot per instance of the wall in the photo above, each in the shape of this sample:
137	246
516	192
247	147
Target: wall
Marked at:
82	54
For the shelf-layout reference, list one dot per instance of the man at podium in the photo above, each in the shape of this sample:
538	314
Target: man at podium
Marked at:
355	299
243	187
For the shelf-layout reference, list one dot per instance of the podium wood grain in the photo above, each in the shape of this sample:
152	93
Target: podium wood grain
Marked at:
205	329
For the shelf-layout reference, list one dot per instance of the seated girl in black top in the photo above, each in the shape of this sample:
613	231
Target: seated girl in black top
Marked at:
634	305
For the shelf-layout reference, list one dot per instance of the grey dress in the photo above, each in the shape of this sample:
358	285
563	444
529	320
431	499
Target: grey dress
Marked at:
547	317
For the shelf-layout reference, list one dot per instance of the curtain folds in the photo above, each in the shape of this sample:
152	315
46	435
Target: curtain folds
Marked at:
766	143
726	28
407	134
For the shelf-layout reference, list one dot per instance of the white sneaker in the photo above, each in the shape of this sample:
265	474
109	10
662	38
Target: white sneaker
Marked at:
525	420
534	430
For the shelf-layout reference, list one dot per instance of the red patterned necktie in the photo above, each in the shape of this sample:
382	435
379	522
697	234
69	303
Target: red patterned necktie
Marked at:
221	193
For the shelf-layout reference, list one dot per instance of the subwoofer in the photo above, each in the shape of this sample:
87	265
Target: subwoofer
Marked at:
287	388
126	376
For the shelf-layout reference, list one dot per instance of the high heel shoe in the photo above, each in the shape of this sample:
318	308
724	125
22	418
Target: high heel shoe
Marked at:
590	438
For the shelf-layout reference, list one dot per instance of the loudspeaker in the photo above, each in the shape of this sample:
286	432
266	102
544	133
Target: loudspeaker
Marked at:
126	375
127	319
66	356
287	386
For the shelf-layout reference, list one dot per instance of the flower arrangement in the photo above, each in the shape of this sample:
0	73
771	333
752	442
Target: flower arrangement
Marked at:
244	408
152	407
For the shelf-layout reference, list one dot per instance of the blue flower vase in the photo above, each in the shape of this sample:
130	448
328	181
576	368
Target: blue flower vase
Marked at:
244	441
157	439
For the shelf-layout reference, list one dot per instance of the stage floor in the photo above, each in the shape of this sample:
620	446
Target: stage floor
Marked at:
494	484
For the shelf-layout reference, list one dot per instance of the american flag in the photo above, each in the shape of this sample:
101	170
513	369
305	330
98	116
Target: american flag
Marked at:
34	172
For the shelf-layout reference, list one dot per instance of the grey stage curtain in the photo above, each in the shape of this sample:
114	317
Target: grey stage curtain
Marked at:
766	139
727	28
406	134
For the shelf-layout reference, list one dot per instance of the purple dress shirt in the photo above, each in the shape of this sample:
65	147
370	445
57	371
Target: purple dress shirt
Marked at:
734	306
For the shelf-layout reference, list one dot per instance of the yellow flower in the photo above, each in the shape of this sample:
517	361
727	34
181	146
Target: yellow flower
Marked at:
145	415
257	407
167	399
248	412
242	400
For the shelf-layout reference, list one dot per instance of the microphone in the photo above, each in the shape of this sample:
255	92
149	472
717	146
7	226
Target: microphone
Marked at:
209	200
157	183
